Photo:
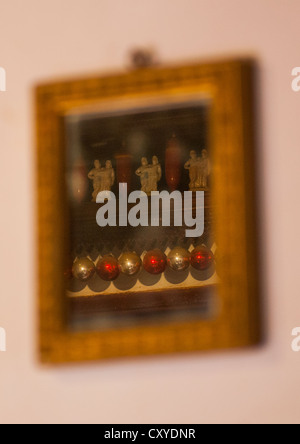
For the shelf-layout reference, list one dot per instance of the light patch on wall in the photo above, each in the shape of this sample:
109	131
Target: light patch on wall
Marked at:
2	340
2	79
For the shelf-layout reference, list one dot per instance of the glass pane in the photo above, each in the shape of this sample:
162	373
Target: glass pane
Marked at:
153	262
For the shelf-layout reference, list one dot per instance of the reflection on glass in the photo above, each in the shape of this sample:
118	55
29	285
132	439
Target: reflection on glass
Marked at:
131	259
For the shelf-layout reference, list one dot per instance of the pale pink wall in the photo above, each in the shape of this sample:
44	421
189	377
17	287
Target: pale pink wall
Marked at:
53	38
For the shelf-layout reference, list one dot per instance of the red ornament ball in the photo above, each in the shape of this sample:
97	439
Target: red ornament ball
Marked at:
68	273
108	268
155	262
202	258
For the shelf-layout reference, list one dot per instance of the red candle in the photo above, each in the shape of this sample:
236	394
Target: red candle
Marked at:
173	163
78	182
124	169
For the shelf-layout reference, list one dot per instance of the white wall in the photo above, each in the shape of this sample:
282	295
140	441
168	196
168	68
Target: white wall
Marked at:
52	38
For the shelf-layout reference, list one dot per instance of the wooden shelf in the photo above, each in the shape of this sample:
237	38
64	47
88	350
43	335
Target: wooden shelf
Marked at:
120	308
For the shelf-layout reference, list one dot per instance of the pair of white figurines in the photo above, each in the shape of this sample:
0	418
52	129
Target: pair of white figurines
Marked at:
199	169
103	178
150	174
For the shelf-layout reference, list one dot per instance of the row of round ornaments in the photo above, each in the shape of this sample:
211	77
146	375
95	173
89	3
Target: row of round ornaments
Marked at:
154	262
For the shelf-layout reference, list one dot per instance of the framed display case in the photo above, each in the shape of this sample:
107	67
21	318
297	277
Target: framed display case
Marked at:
146	213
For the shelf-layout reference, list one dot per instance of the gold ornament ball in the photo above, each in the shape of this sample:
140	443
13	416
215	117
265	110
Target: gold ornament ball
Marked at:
179	259
83	269
130	263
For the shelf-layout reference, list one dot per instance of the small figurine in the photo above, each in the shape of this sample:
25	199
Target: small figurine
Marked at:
204	170
96	176
108	176
200	169
155	174
192	165
143	173
103	178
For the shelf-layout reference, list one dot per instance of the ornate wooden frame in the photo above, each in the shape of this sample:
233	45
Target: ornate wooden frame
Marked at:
230	86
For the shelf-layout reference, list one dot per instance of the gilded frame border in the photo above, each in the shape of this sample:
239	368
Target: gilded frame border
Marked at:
230	86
